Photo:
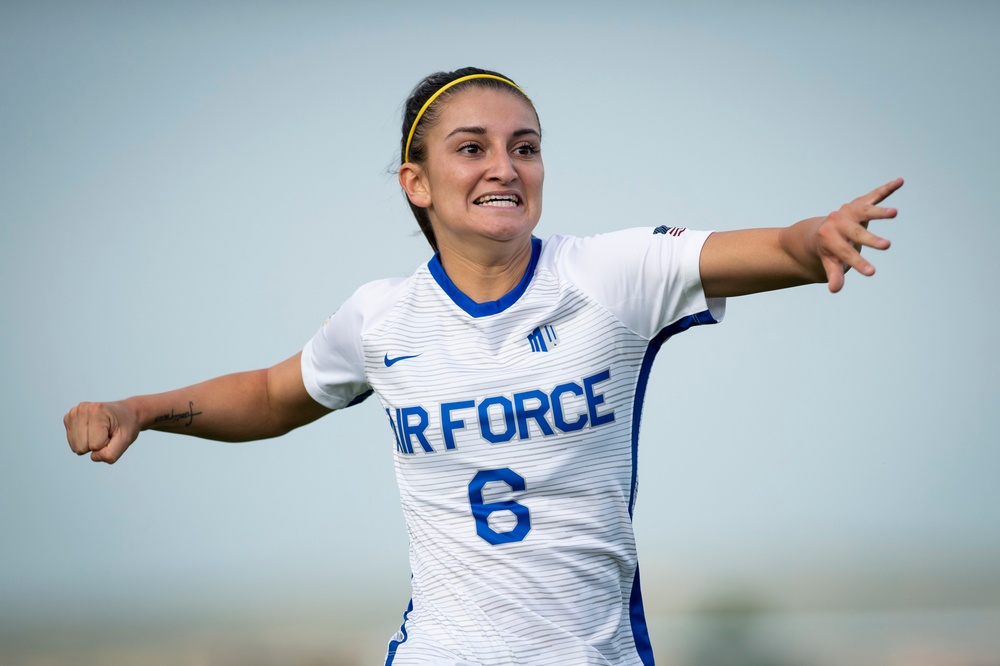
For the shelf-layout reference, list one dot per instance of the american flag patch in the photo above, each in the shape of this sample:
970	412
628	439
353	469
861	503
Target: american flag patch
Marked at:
673	231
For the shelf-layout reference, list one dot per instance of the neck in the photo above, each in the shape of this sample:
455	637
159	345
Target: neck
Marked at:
486	277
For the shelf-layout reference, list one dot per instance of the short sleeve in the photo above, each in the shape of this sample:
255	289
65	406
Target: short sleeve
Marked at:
333	368
649	278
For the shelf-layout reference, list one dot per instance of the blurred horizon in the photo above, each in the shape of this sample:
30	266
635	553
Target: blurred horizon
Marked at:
864	626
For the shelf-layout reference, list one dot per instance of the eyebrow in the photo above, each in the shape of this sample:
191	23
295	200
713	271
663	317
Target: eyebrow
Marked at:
482	131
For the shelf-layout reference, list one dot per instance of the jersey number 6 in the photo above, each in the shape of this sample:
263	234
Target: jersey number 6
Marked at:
481	511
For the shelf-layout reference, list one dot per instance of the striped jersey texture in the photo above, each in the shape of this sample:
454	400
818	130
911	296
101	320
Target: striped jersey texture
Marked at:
515	426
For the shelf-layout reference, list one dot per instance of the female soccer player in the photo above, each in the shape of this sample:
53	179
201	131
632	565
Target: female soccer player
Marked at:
512	373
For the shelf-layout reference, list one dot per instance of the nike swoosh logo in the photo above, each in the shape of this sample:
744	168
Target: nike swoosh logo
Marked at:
389	362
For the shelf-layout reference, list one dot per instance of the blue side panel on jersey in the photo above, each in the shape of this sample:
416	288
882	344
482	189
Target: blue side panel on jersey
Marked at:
490	307
679	326
637	615
390	654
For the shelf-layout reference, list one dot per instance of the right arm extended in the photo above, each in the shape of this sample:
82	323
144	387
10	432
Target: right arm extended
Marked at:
235	408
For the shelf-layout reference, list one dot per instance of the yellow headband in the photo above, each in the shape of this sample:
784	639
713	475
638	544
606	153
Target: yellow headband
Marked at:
427	104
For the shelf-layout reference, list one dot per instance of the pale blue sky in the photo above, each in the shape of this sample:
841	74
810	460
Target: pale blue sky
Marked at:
189	191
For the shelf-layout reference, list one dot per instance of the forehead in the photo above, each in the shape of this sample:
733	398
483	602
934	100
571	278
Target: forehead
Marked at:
492	108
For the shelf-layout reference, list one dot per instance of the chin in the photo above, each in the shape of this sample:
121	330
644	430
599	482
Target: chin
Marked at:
507	233
507	229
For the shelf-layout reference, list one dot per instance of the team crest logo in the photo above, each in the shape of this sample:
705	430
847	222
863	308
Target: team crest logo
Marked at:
542	338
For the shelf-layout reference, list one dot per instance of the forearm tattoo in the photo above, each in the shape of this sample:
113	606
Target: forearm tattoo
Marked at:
175	418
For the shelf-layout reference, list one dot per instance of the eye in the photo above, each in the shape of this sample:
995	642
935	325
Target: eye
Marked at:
526	150
470	148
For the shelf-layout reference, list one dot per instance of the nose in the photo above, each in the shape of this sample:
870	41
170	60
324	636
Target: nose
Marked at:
501	167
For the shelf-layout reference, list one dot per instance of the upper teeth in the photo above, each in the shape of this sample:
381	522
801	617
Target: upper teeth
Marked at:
498	199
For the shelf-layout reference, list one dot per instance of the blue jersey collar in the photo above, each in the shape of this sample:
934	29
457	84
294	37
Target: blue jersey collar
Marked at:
490	307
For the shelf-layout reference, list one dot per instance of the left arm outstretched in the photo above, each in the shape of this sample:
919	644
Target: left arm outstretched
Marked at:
820	249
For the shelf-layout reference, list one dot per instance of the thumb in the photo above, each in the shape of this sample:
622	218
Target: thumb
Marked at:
834	273
118	442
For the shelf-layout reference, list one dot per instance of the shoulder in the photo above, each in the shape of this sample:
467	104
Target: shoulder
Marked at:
647	277
333	361
374	299
632	237
379	290
622	251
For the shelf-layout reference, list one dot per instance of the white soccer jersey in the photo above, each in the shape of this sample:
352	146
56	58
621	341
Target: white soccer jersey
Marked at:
515	425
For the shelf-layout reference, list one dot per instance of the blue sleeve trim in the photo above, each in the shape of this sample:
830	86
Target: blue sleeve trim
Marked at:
360	398
490	307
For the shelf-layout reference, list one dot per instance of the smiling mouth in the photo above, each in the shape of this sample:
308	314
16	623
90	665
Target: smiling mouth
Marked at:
498	200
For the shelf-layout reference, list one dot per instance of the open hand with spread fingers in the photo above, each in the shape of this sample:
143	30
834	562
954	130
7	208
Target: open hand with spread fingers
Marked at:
841	235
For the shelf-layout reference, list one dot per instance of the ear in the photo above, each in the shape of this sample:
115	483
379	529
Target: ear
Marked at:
414	182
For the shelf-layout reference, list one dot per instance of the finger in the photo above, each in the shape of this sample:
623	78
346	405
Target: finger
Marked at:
849	257
855	216
76	429
876	213
860	264
98	428
70	434
860	237
879	194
